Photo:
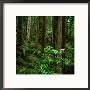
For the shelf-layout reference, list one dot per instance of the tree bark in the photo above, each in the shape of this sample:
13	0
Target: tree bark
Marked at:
63	31
28	27
57	37
36	30
57	32
54	22
43	31
19	33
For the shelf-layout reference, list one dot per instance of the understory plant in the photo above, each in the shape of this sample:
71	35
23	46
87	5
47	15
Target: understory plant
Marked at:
49	57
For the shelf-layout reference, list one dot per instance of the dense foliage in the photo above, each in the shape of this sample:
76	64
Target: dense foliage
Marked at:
45	45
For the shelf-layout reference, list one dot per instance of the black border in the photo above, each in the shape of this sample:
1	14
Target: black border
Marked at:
1	44
32	1
45	1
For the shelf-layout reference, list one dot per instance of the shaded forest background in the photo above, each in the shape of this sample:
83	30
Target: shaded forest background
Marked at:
45	44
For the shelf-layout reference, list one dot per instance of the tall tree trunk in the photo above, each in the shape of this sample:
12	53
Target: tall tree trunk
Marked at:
57	32
43	31
52	30
24	34
19	36
28	27
57	36
63	39
54	22
63	31
36	30
59	40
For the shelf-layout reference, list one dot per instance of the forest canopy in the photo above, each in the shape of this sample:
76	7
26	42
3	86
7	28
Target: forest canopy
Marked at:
44	44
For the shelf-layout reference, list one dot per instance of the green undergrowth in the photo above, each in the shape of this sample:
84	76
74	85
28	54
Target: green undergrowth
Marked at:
51	61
